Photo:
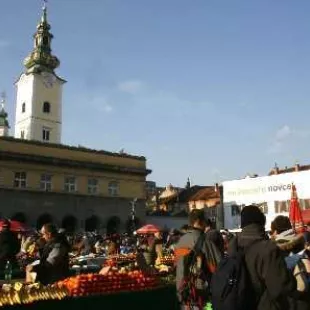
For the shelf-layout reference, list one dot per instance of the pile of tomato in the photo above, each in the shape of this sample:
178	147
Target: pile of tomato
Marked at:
113	282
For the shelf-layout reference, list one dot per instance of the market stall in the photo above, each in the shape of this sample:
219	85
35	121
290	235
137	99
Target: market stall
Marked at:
163	298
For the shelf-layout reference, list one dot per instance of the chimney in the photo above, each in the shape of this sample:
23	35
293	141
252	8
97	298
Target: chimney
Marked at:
188	184
276	168
297	166
216	188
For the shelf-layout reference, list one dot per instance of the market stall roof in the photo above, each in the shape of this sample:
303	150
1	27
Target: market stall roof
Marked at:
148	229
15	226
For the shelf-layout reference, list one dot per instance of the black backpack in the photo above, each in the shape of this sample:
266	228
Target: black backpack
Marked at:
231	286
194	290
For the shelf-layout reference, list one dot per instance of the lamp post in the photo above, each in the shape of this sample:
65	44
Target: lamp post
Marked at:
133	214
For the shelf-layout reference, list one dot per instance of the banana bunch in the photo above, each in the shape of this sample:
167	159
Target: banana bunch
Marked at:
11	298
21	294
46	293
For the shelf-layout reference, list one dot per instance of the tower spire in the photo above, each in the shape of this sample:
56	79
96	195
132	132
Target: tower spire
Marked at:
44	15
4	123
41	58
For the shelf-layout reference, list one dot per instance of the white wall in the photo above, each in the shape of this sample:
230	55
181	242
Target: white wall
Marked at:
266	189
32	91
4	131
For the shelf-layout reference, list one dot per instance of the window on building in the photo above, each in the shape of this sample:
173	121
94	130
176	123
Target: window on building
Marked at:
45	40
46	107
46	134
307	204
20	179
46	182
264	207
22	134
70	184
113	188
235	210
282	206
23	107
92	186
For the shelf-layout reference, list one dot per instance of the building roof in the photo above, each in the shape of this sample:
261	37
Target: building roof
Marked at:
194	193
73	148
206	193
295	168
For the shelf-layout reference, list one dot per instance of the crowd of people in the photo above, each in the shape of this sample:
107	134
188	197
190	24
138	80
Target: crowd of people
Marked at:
276	265
253	269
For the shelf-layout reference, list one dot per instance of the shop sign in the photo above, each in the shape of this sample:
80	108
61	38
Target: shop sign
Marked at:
268	188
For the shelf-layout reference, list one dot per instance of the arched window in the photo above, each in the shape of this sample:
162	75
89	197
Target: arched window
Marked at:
45	41
23	107
46	107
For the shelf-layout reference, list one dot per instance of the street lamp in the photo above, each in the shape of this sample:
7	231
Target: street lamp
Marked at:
133	214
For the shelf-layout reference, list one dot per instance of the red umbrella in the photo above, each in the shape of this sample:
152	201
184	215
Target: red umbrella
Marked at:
15	226
148	229
295	212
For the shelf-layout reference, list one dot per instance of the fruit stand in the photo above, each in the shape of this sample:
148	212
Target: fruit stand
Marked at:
163	298
113	287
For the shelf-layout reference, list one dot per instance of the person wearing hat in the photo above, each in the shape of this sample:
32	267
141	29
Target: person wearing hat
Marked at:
9	246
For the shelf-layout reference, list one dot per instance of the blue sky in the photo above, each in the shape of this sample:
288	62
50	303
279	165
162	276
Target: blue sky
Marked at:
210	89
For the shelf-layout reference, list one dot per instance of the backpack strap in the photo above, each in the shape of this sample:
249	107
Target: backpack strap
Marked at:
199	243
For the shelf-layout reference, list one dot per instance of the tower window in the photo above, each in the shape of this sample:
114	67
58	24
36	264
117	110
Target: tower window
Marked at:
23	107
45	41
46	134
46	107
22	134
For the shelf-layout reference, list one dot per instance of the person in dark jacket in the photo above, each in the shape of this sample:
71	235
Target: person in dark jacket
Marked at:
9	245
271	279
54	257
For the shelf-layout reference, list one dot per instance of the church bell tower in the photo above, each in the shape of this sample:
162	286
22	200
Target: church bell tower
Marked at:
39	91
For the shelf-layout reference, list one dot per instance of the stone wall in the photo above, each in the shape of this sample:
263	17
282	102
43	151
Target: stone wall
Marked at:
35	204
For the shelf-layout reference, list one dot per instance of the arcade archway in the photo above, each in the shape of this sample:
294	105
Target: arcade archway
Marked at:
44	219
19	217
92	223
69	223
113	225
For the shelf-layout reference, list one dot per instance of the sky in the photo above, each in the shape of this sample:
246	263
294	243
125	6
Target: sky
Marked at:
206	89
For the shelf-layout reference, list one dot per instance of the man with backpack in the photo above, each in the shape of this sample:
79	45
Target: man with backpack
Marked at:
254	276
196	258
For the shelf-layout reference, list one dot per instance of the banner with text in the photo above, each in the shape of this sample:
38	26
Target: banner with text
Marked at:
269	188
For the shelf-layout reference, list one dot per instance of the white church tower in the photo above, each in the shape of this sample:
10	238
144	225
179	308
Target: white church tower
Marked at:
39	91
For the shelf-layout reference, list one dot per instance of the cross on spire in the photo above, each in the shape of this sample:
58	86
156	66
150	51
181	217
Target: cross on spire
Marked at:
44	8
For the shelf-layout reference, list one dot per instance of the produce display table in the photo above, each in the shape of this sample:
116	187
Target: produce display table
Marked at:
163	298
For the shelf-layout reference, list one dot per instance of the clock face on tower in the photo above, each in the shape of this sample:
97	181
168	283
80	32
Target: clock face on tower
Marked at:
48	79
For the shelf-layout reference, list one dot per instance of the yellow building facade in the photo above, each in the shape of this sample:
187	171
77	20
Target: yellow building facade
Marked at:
102	183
